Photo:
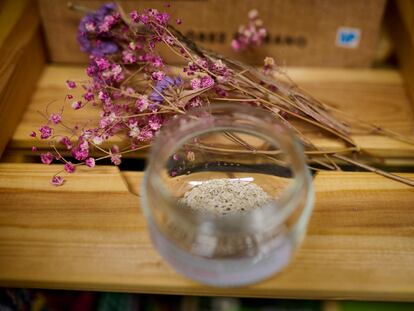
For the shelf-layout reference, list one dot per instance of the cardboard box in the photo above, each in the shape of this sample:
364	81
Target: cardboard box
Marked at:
301	32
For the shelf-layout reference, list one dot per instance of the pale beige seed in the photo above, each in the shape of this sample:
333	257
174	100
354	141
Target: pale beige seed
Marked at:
225	196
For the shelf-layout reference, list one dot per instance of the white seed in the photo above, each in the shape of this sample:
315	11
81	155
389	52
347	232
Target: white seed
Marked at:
225	196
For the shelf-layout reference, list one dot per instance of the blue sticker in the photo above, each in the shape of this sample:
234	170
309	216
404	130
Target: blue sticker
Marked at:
348	37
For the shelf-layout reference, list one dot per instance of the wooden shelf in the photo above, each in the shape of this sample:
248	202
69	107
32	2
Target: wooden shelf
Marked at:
91	234
371	95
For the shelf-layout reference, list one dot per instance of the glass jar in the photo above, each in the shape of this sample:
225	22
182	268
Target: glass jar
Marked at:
227	194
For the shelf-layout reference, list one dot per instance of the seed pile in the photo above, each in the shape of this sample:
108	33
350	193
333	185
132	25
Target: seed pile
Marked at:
225	196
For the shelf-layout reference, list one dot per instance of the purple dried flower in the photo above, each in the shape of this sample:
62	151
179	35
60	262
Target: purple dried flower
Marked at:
162	85
98	43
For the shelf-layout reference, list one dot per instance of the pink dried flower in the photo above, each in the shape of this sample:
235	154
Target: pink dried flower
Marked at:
195	102
84	145
33	134
178	21
80	154
134	46
46	158
108	22
169	40
219	67
268	66
235	45
97	140
90	162
34	148
69	167
103	95
69	96
77	105
158	75
196	83
134	132
116	159
251	35
88	96
128	57
207	81
143	18
146	134
66	142
70	84
157	62
57	181
90	26
134	16
102	63
142	103
55	118
45	132
90	70
155	122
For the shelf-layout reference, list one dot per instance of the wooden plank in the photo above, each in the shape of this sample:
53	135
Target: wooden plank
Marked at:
400	21
372	95
406	10
22	60
295	41
360	242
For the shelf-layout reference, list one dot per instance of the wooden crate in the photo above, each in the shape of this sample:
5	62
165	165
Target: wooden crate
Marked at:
91	233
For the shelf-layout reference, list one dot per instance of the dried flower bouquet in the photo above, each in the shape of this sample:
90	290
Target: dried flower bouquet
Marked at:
136	92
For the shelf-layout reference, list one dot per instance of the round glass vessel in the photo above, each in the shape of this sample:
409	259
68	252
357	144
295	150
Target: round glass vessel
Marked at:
227	194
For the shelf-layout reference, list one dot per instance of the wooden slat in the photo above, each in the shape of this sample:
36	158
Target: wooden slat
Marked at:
360	242
220	19
406	10
372	95
400	21
22	60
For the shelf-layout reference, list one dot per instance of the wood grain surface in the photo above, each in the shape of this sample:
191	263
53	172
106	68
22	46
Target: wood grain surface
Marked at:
22	58
400	21
371	95
91	234
296	41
